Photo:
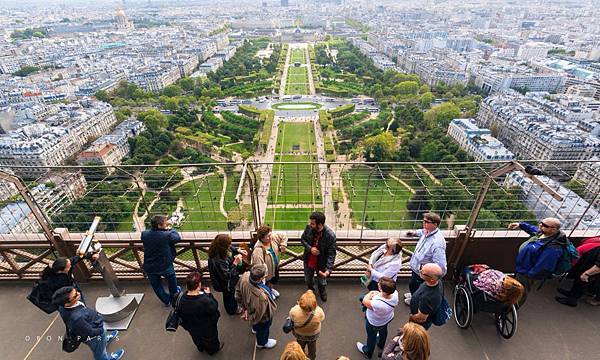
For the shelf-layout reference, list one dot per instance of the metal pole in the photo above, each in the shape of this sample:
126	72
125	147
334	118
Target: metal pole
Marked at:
364	217
254	197
585	212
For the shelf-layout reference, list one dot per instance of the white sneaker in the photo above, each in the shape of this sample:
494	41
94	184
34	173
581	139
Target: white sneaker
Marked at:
269	345
407	295
407	301
275	293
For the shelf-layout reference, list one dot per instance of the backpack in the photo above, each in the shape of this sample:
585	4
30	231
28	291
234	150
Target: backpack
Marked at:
443	313
567	259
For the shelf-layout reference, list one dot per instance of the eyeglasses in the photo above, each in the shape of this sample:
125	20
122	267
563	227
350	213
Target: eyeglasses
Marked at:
546	225
427	221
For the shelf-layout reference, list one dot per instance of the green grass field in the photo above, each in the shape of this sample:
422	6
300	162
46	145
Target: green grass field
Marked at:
289	219
386	199
297	81
201	202
298	56
291	134
295	183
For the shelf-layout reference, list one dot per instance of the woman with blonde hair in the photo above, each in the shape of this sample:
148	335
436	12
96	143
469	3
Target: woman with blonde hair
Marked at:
307	317
293	351
410	343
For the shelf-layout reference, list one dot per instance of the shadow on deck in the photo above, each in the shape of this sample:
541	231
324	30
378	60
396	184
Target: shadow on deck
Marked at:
546	329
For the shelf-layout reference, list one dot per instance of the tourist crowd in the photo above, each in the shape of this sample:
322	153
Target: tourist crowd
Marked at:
246	277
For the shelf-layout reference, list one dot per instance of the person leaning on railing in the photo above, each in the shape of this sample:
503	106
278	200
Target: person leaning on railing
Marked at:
431	248
60	273
159	254
386	261
224	266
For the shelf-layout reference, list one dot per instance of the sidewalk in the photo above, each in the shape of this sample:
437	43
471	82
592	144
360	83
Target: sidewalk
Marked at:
546	329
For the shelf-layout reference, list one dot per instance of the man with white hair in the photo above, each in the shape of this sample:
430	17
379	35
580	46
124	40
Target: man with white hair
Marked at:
427	299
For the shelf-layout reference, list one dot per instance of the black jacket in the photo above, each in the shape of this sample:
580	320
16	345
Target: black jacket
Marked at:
83	322
56	281
223	274
326	258
199	314
159	249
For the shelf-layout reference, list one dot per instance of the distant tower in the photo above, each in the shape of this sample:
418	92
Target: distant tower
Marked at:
284	3
122	22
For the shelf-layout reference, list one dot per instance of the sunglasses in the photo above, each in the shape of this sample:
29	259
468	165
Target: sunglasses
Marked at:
546	225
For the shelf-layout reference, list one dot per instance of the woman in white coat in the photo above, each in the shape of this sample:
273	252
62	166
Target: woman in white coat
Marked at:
385	261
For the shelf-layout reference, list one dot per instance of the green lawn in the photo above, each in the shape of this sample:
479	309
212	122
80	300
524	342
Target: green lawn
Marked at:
291	134
297	56
295	183
288	219
297	81
201	202
386	199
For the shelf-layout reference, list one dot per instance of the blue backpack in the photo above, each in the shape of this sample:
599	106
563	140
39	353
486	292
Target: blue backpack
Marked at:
442	314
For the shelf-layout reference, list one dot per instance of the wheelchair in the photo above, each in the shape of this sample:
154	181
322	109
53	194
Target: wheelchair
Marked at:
469	300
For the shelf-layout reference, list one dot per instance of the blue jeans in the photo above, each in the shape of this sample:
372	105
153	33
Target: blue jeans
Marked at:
98	346
156	282
262	332
372	334
415	282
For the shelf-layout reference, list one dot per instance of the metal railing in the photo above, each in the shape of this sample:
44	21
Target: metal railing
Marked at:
363	202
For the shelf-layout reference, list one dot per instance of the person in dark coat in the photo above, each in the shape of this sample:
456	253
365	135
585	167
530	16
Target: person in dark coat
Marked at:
319	252
224	266
199	314
159	253
585	274
60	273
85	324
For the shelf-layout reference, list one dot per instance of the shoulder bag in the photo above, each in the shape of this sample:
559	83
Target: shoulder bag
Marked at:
173	320
289	324
41	297
70	342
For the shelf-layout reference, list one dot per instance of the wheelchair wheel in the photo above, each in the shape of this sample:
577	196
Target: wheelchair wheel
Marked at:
463	307
506	323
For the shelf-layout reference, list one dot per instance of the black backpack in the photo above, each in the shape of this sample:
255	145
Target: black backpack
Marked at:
41	296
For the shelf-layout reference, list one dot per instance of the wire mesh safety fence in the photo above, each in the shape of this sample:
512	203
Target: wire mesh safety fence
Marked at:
206	198
363	202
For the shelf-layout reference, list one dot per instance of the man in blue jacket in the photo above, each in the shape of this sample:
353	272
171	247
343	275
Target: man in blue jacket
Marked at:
85	324
159	253
538	258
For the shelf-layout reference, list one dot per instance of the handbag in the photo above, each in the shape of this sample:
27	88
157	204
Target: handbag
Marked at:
443	313
288	325
173	320
70	342
40	296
